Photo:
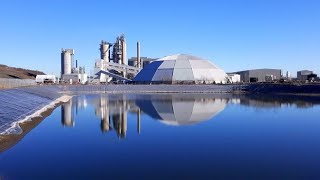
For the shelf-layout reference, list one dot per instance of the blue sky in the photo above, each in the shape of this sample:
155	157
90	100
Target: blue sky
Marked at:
234	34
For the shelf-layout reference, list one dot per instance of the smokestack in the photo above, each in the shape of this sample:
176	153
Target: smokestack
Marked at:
138	55
124	50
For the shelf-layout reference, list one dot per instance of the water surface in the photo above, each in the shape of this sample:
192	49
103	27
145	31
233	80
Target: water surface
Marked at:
178	136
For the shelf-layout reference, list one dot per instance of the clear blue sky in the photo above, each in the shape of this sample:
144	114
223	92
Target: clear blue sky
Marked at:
234	34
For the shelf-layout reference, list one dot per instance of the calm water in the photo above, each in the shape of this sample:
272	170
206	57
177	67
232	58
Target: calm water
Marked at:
171	137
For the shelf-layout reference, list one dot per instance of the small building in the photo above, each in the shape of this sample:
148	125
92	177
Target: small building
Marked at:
259	75
75	78
144	61
306	75
42	79
234	78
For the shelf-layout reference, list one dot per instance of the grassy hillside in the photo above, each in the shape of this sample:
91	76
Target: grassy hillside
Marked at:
18	73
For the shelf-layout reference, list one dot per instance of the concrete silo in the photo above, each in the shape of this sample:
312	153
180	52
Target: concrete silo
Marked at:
66	61
105	50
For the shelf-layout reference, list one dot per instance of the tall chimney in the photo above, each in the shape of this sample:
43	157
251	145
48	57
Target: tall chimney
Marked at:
124	53
138	55
124	50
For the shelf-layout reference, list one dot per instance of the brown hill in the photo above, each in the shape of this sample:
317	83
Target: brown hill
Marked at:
18	73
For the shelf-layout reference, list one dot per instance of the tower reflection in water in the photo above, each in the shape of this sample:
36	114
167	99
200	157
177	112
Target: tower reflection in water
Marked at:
113	110
67	117
170	109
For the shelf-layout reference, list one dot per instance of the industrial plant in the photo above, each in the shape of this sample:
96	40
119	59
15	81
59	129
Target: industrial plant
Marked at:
114	67
69	72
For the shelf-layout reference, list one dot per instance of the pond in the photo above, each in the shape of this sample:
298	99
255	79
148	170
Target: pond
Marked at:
171	136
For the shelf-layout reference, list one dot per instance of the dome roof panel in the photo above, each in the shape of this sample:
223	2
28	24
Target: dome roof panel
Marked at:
180	57
163	75
202	64
183	64
167	64
183	75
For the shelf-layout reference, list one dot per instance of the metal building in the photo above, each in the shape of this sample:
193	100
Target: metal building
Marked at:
259	75
144	61
234	78
306	75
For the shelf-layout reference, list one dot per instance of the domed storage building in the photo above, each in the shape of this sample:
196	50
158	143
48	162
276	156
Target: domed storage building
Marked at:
181	69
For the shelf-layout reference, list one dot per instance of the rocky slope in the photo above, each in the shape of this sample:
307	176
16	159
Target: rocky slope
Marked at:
18	73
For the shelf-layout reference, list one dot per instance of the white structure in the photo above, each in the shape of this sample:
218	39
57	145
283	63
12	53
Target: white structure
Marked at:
105	50
45	79
66	61
234	78
171	110
288	75
75	78
181	68
100	65
67	118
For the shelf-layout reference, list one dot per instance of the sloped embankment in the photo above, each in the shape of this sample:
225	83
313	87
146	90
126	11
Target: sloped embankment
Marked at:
22	104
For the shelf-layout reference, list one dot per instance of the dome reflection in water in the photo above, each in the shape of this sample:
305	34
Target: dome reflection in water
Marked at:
169	109
176	109
180	109
170	136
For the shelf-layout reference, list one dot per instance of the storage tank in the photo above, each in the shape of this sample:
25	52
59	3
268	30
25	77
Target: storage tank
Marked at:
104	50
66	61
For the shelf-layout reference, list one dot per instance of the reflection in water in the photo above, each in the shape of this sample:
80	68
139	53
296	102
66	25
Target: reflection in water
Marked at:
179	109
67	114
170	109
138	119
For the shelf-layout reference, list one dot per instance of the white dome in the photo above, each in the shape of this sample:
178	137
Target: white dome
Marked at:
181	68
179	109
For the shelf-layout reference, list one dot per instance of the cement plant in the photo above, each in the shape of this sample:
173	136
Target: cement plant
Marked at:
159	90
114	67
